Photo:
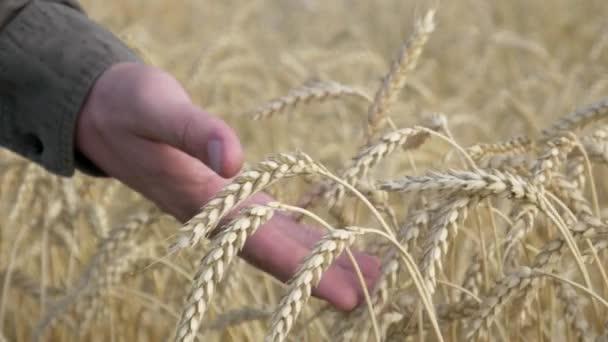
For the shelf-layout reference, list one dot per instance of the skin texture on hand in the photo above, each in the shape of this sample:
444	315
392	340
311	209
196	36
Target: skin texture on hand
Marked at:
139	126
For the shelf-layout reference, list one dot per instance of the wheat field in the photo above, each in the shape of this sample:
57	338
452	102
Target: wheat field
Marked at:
462	142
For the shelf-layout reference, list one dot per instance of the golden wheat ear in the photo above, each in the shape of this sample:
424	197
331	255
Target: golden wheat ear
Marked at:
310	92
395	80
308	276
577	119
224	247
246	184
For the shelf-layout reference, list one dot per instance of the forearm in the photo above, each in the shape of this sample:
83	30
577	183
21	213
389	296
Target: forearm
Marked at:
50	56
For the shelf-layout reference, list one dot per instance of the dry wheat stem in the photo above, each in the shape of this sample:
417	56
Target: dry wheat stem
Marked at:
586	158
224	247
317	91
396	78
356	321
239	316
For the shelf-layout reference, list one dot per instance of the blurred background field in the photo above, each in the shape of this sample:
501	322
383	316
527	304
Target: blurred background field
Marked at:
495	69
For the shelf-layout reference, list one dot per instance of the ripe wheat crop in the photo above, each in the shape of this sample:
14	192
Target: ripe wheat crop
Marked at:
463	145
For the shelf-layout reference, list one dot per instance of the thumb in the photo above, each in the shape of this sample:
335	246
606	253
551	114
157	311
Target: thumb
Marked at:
167	115
205	137
194	131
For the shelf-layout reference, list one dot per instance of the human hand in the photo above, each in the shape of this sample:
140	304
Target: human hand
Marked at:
139	126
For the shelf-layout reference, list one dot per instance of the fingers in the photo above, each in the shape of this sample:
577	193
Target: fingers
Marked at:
308	235
278	248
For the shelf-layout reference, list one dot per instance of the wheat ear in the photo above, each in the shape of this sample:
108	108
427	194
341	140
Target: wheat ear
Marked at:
317	91
513	146
577	119
308	276
574	313
222	251
242	187
356	321
105	269
596	145
367	158
521	282
394	81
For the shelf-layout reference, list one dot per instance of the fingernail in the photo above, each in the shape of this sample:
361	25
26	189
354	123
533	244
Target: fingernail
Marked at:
214	152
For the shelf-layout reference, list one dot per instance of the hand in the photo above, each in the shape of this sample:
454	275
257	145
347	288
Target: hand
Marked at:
139	126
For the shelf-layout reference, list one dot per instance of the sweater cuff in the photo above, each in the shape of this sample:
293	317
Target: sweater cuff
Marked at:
50	56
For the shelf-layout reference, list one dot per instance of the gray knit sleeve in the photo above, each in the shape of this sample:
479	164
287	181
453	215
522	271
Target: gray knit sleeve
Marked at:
50	56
